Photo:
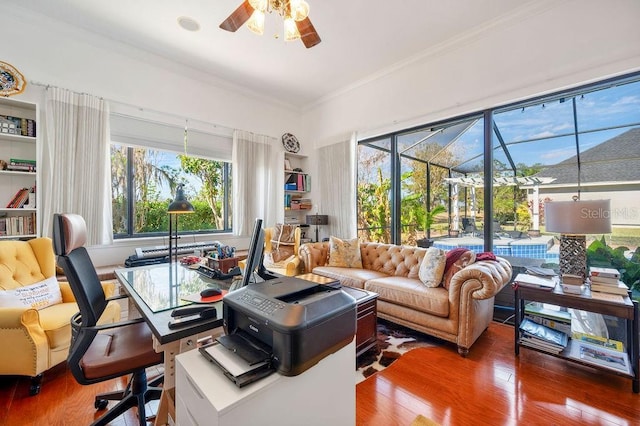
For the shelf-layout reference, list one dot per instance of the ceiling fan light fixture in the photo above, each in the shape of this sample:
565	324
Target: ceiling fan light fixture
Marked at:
256	22
290	30
299	9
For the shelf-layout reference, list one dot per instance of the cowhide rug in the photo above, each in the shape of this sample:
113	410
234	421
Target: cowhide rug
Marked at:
393	341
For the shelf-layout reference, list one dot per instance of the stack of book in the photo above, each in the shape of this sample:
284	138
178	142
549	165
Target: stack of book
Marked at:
20	199
18	165
553	318
533	281
541	337
607	280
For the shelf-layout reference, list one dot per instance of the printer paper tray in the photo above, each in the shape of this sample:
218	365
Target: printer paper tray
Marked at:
233	366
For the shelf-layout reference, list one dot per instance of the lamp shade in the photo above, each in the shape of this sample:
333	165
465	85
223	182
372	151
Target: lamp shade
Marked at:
578	217
180	203
317	219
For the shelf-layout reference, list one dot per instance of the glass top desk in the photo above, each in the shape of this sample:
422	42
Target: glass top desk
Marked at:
155	291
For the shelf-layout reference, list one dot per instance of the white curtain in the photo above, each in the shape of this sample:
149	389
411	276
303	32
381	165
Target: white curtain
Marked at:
76	171
256	170
337	167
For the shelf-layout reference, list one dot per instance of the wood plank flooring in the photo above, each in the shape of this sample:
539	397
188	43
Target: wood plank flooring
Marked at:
489	387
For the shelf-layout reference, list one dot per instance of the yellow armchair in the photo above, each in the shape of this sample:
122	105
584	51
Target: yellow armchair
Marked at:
289	267
35	340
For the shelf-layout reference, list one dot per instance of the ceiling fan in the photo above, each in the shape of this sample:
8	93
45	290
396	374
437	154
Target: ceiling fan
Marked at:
295	13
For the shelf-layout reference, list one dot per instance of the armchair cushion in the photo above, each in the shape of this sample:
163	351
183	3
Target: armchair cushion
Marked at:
38	296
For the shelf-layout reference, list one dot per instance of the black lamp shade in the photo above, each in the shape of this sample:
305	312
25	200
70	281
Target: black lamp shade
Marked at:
180	203
317	219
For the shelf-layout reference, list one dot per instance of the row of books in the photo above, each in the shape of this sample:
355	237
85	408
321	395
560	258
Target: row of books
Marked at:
295	202
607	280
298	182
16	164
21	198
18	225
17	126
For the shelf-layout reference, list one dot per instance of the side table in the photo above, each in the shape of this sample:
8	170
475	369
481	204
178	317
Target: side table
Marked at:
627	310
366	312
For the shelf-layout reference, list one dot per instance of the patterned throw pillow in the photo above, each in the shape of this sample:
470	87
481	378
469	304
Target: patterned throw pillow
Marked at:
284	234
462	259
37	296
344	253
432	267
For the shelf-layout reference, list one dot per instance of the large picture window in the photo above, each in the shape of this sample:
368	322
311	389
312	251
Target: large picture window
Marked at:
143	185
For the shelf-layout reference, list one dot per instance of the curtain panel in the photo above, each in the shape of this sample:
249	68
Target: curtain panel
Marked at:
76	156
256	173
337	166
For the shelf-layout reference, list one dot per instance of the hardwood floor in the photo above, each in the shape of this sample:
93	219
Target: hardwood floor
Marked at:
489	387
493	387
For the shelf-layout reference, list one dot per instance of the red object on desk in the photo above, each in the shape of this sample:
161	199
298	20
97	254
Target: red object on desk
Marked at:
196	298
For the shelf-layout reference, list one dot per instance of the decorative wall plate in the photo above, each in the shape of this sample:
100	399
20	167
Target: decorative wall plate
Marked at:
11	81
290	143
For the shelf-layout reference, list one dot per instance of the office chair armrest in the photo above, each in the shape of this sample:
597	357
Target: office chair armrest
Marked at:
117	297
118	324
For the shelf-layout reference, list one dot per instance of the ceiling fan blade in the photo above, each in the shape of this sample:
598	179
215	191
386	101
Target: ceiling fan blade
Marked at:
238	17
308	33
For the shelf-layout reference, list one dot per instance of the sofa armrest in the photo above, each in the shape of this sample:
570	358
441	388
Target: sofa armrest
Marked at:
26	345
109	288
314	254
485	277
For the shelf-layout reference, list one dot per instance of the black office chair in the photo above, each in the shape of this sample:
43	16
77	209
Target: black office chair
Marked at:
103	352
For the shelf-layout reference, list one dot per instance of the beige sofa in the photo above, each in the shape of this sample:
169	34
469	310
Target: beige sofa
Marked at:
459	314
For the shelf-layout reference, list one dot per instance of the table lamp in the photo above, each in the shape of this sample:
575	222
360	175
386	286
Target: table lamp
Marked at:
179	206
317	219
573	220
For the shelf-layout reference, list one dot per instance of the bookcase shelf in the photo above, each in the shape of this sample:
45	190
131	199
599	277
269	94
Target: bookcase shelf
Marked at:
297	186
23	118
626	310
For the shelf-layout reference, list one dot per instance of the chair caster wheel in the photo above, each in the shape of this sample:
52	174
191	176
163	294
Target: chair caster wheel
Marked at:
100	404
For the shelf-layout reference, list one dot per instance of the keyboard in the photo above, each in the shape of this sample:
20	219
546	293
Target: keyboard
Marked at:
160	251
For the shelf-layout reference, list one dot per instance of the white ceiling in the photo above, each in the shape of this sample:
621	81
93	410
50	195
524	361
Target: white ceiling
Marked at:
361	39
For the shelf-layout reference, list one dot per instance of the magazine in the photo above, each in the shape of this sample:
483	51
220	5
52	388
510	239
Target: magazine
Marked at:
618	361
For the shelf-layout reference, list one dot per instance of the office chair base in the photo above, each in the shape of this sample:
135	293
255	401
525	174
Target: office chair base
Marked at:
102	400
139	393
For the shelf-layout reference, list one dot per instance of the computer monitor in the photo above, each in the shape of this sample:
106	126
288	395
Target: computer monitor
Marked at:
254	270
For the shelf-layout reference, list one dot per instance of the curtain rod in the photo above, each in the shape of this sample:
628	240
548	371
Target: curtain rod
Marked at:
138	107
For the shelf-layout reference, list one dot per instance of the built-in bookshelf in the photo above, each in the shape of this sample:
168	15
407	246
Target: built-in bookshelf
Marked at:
297	186
18	169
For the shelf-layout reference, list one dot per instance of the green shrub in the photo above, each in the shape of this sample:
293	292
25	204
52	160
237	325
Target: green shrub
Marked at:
600	254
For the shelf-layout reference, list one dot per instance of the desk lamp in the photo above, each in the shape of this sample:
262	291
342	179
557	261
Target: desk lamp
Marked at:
317	219
573	220
179	206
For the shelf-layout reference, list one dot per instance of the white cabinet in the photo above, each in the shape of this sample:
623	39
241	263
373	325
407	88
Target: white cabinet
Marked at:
18	171
297	186
323	395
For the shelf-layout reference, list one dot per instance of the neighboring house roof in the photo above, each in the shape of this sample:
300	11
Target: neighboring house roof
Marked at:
616	160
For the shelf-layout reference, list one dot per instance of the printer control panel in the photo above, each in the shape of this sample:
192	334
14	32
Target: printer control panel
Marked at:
264	305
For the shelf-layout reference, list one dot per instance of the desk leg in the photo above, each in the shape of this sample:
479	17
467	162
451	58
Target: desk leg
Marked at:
166	399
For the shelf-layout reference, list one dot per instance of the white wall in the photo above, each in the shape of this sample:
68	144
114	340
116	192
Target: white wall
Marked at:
571	43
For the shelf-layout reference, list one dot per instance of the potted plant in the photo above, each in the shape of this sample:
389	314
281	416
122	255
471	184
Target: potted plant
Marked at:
429	218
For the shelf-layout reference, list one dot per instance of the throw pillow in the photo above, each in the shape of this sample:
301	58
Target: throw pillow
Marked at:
344	253
283	234
432	267
37	296
462	260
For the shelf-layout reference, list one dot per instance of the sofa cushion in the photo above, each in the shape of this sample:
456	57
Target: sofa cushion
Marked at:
432	267
352	277
411	293
344	253
462	260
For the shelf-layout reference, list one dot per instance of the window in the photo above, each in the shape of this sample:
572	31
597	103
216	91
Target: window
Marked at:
584	142
150	158
143	185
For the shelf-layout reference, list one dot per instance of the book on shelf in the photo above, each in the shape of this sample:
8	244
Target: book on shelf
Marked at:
572	279
526	280
620	289
541	272
548	335
607	297
533	342
593	354
571	288
553	318
604	280
603	342
560	325
595	271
